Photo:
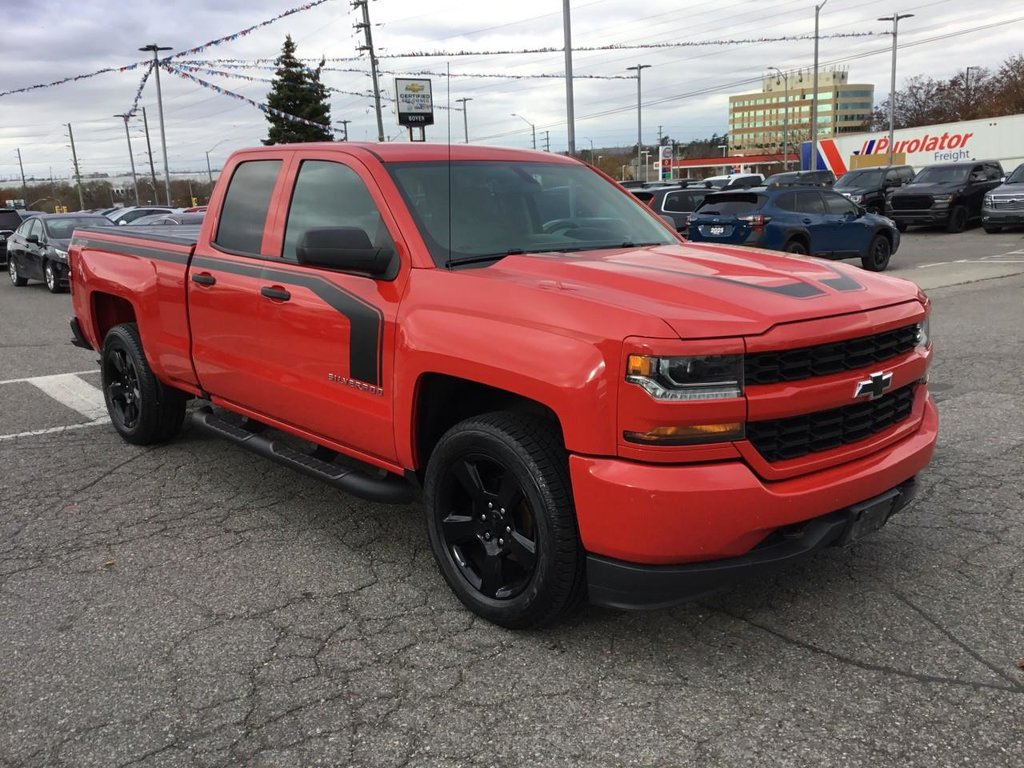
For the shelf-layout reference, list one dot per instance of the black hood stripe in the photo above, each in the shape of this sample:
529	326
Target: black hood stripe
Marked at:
796	290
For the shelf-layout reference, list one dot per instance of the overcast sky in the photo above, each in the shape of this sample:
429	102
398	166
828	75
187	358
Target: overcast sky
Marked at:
685	91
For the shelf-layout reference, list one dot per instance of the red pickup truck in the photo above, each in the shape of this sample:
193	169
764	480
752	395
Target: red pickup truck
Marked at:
586	405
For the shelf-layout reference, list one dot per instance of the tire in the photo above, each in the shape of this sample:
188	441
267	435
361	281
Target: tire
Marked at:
901	226
957	219
796	246
142	409
12	269
519	568
51	278
878	255
992	230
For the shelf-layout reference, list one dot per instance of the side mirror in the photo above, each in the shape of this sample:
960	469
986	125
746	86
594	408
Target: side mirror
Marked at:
34	239
347	249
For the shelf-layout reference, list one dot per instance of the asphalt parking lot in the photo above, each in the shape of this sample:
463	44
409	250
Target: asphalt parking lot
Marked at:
194	605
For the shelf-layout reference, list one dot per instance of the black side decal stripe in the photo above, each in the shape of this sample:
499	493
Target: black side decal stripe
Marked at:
796	290
158	254
366	346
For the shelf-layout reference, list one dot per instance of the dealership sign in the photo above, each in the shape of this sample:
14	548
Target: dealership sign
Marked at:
414	100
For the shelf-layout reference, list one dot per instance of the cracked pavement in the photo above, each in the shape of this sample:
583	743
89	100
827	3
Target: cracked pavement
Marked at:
194	605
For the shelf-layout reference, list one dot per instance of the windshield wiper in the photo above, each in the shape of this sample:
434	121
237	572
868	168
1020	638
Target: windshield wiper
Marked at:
482	257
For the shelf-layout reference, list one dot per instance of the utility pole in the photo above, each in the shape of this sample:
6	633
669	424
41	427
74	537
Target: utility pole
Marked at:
895	19
639	124
24	186
465	119
570	111
149	149
160	108
814	97
368	47
344	128
547	141
135	181
78	176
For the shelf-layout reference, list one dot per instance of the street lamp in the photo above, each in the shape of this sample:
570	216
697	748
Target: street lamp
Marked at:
135	181
785	118
209	171
724	148
895	19
533	128
160	108
814	97
639	68
465	119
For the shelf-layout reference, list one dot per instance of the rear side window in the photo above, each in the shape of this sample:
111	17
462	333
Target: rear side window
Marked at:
809	202
786	201
331	195
732	204
244	213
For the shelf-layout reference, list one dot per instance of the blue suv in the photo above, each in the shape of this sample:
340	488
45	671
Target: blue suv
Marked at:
813	221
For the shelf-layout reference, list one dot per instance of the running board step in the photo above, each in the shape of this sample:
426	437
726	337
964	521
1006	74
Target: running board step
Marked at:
373	484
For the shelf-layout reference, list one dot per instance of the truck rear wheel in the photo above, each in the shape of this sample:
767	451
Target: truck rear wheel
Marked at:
501	522
141	408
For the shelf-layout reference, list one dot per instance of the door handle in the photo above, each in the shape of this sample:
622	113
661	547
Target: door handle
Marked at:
204	278
275	292
808	221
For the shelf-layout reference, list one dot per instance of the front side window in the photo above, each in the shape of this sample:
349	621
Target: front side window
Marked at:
474	210
244	213
839	205
331	195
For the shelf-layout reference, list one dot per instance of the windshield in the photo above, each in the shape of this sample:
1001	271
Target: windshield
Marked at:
471	210
61	229
939	175
1017	177
869	178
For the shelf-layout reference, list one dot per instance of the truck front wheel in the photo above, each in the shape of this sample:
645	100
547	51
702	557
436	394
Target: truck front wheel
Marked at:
501	522
141	408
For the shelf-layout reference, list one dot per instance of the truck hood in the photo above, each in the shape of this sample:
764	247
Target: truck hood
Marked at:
707	291
933	188
1016	189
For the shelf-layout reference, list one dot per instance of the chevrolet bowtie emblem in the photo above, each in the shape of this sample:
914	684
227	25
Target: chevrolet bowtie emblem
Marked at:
875	385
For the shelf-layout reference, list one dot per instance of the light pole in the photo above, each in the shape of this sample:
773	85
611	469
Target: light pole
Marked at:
644	154
209	170
814	97
895	19
533	128
639	124
465	118
135	181
967	85
785	118
160	109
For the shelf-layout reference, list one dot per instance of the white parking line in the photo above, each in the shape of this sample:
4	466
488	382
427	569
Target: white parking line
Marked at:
32	378
77	394
53	430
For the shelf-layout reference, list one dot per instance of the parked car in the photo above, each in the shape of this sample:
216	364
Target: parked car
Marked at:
676	203
946	194
868	186
10	220
801	179
161	219
813	221
38	249
734	181
128	215
1004	205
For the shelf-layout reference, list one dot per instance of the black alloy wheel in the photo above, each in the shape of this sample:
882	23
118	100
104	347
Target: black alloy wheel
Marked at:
501	522
796	246
12	269
141	408
957	219
878	255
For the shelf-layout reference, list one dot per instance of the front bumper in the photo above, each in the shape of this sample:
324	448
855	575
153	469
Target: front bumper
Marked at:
653	515
1002	218
617	584
927	216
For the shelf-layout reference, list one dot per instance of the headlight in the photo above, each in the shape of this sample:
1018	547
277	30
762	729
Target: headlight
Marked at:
857	198
704	377
988	203
61	254
942	198
924	336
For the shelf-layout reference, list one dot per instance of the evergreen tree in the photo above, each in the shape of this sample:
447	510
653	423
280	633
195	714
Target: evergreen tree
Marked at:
297	90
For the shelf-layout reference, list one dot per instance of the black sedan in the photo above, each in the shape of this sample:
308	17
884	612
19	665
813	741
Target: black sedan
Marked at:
38	249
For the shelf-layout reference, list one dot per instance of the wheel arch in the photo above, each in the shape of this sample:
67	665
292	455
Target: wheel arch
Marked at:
109	310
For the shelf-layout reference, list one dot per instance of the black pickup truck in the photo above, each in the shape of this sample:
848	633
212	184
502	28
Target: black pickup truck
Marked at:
947	194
